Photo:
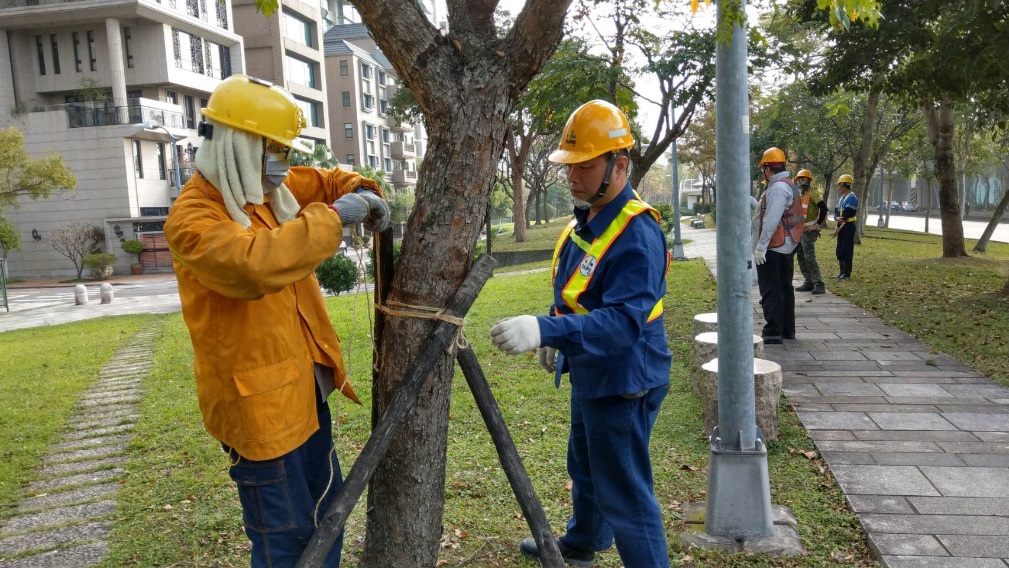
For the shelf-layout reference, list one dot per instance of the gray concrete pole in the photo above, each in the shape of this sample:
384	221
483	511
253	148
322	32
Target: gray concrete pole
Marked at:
675	164
117	74
736	414
739	494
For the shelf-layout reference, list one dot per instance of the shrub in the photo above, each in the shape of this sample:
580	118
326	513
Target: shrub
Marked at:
133	246
99	263
337	274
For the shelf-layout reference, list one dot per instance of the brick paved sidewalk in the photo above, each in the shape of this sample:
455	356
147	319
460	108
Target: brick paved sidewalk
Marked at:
918	442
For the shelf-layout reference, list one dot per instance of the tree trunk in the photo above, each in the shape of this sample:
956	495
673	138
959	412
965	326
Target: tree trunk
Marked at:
996	217
939	122
466	82
518	193
928	193
861	164
889	198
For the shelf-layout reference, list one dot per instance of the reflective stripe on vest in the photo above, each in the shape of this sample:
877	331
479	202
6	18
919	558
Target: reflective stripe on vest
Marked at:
594	252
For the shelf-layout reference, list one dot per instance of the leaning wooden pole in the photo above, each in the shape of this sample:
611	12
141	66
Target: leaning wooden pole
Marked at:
403	401
382	244
550	555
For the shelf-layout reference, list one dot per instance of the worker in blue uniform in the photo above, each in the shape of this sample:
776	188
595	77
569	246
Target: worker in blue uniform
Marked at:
845	216
606	329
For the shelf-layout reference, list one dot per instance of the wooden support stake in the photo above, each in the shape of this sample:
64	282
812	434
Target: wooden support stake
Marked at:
403	400
550	556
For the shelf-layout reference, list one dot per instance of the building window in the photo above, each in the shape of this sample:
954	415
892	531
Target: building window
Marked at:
383	107
129	53
91	50
348	130
350	160
177	47
381	78
222	14
152	212
172	97
133	94
366	71
346	98
56	54
42	55
385	136
190	110
368	102
161	161
225	61
388	165
300	71
373	161
208	58
298	29
311	110
196	53
138	159
344	68
369	132
77	53
193	8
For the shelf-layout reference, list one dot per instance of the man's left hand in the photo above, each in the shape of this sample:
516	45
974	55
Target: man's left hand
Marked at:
378	211
516	335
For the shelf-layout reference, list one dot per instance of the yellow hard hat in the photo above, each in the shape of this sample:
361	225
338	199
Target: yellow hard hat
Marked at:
595	128
845	178
772	155
804	174
260	107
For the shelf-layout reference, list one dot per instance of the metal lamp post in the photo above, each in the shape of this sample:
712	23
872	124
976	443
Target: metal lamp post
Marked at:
151	125
675	164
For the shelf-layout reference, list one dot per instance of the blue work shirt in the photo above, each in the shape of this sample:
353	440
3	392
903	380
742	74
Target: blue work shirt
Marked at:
613	349
847	206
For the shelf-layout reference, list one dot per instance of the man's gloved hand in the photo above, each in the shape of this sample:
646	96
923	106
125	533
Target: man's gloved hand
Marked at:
378	211
548	358
759	257
516	335
352	208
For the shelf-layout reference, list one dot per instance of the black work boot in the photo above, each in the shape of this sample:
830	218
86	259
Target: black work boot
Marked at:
571	556
806	287
818	288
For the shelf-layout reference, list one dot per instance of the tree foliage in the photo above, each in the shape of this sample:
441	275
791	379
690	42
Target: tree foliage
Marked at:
22	176
337	274
9	237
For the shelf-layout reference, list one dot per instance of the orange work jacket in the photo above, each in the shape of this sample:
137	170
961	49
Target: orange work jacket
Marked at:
255	311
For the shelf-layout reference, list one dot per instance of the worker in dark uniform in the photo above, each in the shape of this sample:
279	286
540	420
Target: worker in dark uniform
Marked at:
844	215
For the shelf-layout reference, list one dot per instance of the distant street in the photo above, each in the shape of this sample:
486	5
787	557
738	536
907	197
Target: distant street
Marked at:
916	222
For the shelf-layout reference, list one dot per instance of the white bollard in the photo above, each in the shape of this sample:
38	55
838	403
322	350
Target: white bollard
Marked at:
106	289
80	294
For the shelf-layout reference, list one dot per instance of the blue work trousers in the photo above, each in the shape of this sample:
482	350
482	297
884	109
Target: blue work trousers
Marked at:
284	498
611	472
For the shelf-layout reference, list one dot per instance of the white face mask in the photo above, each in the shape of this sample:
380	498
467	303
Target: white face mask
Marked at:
276	165
579	204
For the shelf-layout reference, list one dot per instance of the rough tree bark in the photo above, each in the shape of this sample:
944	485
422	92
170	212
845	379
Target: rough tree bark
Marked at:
467	83
861	166
940	126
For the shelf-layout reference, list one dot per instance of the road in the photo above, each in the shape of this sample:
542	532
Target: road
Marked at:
916	222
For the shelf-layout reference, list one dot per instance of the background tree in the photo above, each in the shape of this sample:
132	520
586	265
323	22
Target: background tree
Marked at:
1001	153
697	150
321	157
9	240
467	82
75	241
21	176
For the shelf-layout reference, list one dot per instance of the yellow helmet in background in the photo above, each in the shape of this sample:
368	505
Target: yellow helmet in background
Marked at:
804	174
845	178
772	155
260	107
593	129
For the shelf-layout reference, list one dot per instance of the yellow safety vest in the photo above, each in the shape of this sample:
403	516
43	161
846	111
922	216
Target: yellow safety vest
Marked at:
594	252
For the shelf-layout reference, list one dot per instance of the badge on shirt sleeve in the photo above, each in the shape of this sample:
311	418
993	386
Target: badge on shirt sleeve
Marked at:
587	266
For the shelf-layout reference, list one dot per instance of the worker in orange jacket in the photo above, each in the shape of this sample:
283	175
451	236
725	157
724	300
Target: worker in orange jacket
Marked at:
246	235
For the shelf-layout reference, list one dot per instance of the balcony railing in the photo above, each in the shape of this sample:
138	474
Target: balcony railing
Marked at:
401	177
403	150
79	116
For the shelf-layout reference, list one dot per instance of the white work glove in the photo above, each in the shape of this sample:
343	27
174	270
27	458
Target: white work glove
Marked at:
378	211
516	335
759	257
352	208
548	358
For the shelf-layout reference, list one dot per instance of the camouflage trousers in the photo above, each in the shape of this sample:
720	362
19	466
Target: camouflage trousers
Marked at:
806	255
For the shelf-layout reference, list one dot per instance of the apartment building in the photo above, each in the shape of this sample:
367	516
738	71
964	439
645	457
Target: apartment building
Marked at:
286	49
360	83
79	78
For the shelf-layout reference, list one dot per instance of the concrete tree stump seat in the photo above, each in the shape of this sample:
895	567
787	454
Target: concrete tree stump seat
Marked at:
706	348
705	322
767	393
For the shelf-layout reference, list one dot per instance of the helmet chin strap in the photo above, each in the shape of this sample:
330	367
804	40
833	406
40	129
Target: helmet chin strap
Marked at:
606	180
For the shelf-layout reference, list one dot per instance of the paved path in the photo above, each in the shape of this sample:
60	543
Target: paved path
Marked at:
67	513
918	442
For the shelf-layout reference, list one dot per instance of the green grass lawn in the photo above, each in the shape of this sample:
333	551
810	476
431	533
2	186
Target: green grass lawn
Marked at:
953	305
538	237
43	372
179	508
